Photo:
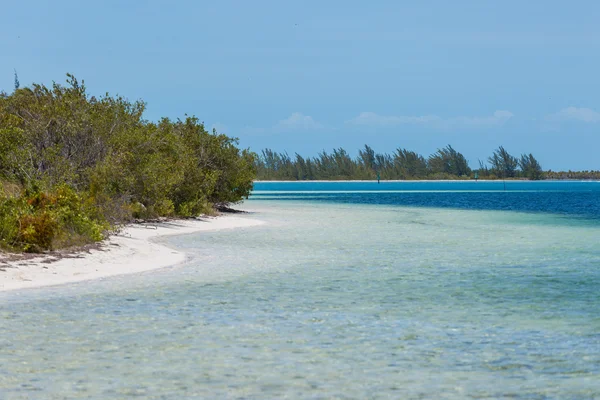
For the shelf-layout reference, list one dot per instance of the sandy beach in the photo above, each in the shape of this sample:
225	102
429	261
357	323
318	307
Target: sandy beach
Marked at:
132	250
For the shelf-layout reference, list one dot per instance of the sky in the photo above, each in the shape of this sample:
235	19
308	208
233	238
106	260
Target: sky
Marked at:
306	76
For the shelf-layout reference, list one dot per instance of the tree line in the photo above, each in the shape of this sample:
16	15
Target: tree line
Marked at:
402	164
573	175
75	166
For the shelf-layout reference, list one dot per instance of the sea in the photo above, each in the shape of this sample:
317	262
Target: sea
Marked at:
350	290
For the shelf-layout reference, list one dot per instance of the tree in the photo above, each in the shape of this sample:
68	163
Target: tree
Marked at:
303	168
367	160
484	171
530	167
503	164
409	165
445	163
17	84
449	161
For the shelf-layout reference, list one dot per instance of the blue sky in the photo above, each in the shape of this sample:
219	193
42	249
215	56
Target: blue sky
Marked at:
313	75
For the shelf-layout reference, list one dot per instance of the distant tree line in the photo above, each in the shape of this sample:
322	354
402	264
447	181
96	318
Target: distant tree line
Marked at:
74	166
571	175
402	164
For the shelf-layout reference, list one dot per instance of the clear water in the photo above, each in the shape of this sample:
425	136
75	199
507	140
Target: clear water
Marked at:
345	293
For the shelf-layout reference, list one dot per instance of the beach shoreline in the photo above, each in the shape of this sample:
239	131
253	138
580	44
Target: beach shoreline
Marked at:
131	251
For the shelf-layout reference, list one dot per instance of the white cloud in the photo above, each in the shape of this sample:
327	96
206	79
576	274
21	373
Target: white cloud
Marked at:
498	118
371	118
575	114
298	121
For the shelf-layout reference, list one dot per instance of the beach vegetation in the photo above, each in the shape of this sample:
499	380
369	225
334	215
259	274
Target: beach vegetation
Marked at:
446	163
74	166
449	162
503	164
530	167
403	164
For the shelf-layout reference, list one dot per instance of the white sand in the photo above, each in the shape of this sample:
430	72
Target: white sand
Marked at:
131	251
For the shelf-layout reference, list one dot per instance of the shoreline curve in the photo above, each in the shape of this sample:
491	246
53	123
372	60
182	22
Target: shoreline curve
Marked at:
131	251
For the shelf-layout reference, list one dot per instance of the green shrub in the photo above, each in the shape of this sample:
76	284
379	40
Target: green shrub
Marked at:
38	221
10	210
78	218
90	164
194	208
138	210
162	208
37	231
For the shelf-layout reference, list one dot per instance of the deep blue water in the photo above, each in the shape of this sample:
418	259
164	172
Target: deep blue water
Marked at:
570	186
577	199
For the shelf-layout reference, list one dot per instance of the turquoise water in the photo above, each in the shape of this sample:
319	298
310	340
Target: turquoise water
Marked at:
344	293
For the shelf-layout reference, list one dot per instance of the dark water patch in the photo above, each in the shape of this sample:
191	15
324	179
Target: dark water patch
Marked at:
584	206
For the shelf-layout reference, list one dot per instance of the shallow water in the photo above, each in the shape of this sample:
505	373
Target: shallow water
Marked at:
346	296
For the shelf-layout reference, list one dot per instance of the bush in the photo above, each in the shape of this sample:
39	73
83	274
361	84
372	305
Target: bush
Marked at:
37	231
194	208
92	164
38	221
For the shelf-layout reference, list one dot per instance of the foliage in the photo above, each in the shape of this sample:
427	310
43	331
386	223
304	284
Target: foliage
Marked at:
449	161
39	220
503	164
409	164
560	175
17	83
445	164
61	143
530	167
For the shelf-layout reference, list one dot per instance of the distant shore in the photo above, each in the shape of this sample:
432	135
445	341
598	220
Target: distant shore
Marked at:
131	251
